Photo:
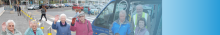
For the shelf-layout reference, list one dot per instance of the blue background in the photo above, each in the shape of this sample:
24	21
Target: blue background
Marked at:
191	17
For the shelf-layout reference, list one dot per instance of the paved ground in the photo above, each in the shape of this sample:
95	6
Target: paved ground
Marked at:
21	22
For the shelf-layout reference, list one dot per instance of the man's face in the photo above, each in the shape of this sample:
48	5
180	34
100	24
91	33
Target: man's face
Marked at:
122	17
63	19
34	26
10	26
139	9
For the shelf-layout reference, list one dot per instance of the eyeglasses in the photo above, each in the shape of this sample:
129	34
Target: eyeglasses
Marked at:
11	26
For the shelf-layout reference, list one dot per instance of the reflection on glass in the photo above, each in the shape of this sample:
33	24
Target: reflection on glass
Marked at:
105	18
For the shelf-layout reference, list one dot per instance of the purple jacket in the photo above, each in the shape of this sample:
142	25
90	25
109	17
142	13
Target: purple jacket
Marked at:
82	28
142	31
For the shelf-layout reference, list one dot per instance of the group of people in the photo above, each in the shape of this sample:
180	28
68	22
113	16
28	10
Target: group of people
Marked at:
138	26
82	26
79	24
8	28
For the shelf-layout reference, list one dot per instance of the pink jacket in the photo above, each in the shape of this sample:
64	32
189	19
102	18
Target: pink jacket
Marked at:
82	28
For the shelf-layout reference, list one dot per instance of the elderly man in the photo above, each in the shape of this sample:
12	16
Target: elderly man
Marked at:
10	24
18	9
121	26
62	27
33	30
140	14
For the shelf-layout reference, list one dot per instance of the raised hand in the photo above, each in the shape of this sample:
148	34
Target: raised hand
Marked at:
30	24
3	26
56	19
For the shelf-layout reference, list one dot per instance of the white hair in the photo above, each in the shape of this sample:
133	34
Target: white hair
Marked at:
122	12
139	5
34	22
62	15
9	22
81	14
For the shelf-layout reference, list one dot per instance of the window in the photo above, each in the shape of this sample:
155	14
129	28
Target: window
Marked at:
119	7
105	18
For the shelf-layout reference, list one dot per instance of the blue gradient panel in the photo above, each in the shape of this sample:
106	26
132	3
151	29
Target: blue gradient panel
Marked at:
191	17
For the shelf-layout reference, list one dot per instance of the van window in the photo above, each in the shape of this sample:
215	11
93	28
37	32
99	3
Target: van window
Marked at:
105	18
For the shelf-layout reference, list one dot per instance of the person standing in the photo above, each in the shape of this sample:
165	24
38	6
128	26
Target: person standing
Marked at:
121	25
89	12
8	28
43	13
82	26
15	7
62	27
18	10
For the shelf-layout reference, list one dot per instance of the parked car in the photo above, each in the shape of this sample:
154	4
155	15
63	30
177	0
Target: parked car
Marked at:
54	5
100	7
86	9
61	5
50	6
94	10
33	7
68	4
77	7
46	5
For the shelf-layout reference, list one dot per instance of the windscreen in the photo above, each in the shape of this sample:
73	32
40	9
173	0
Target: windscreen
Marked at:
140	17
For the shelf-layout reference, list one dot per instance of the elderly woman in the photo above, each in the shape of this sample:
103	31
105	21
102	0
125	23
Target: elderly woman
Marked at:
33	30
140	28
62	27
10	24
82	26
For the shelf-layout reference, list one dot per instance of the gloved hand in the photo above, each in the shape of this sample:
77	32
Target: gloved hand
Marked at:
73	21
